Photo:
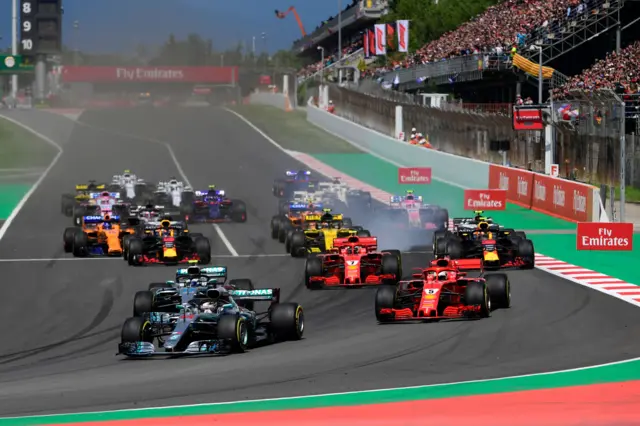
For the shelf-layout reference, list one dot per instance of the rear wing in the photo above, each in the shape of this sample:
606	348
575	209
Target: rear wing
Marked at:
99	219
369	242
99	194
260	294
461	264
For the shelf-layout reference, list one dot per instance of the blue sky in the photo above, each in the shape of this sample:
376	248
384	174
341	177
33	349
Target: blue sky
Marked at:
115	25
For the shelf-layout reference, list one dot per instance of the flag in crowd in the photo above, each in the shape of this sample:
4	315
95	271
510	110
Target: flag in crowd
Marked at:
382	36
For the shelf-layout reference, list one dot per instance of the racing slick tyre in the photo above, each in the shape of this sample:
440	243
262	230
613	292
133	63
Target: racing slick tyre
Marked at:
312	268
527	253
287	321
437	237
67	204
238	211
282	232
78	213
365	233
385	299
135	251
279	189
442	218
521	234
440	247
454	249
398	254
499	289
126	240
142	303
196	235
391	265
476	294
275	227
296	244
136	329
234	330
68	239
243	284
80	245
203	250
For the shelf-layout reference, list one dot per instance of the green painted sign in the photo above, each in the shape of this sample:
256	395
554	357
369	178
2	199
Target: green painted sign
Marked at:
15	64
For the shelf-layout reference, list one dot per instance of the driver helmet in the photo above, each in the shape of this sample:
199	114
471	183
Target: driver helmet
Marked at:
107	225
442	276
348	250
357	249
194	282
210	307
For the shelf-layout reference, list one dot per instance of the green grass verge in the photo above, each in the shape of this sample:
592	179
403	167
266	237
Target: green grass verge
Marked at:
20	148
292	131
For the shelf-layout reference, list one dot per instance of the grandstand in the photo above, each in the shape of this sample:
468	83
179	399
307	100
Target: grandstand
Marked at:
357	16
475	60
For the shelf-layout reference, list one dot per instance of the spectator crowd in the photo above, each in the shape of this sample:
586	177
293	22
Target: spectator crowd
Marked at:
619	72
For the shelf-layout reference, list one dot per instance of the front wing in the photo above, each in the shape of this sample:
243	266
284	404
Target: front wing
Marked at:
146	349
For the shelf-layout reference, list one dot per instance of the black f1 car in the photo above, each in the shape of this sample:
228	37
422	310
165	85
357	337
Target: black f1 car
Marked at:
169	244
493	246
208	319
294	181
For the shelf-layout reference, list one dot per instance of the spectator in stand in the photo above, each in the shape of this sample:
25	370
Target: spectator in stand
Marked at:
329	59
519	101
499	30
619	72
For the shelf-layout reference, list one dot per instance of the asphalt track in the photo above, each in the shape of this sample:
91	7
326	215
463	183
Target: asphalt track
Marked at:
61	318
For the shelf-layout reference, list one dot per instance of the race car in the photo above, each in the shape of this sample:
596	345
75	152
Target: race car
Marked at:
442	291
127	182
295	181
98	236
283	224
410	212
353	263
82	195
212	206
177	191
492	247
100	203
210	319
317	233
169	243
337	192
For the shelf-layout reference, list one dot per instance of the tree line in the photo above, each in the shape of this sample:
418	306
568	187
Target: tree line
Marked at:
194	50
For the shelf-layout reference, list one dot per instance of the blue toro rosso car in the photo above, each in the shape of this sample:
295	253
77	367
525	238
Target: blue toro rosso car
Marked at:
299	180
200	313
213	206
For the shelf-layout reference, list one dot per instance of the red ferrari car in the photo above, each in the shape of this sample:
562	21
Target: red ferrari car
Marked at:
354	262
443	291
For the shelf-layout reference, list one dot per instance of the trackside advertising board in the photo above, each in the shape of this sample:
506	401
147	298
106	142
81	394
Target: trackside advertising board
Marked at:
485	199
73	74
604	236
414	175
565	199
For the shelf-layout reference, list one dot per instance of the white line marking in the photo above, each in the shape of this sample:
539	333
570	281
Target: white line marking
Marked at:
36	185
79	259
172	154
18	175
324	395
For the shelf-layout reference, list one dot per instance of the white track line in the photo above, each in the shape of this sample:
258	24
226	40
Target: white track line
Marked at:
172	154
23	201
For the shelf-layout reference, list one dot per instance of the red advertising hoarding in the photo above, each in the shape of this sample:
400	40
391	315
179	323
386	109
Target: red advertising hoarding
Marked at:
561	198
527	118
485	199
604	236
220	75
414	175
